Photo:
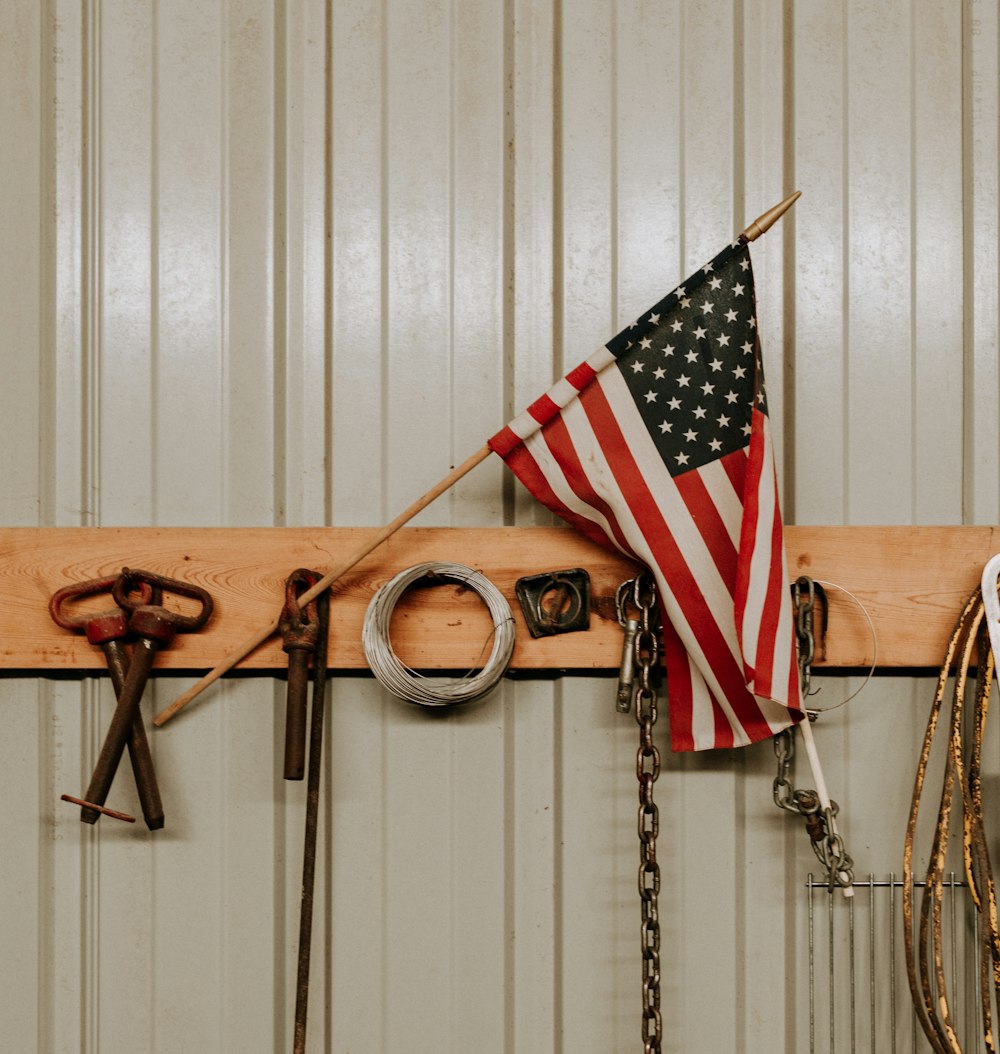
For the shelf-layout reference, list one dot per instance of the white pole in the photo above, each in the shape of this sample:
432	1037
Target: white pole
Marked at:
821	791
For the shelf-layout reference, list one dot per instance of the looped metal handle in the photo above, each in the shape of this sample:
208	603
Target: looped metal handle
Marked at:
299	625
130	580
60	600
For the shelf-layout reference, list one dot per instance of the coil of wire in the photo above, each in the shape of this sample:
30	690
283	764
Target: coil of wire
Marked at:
407	683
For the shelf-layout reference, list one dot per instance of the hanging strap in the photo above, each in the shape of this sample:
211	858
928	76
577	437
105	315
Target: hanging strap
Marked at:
962	778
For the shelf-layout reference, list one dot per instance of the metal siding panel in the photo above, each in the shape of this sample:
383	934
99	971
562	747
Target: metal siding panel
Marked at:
22	274
879	328
188	430
938	277
981	185
505	186
535	226
304	399
358	320
817	365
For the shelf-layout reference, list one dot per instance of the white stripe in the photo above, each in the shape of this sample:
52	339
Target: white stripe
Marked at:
727	501
601	358
703	711
524	425
562	392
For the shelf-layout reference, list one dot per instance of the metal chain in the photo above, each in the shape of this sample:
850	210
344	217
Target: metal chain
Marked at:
646	656
826	842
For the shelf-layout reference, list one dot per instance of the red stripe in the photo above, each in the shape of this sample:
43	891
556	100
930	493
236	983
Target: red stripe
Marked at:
504	442
768	609
710	524
543	409
735	465
679	689
581	376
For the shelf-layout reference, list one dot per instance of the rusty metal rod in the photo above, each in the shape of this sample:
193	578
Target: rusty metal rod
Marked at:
140	755
113	813
311	826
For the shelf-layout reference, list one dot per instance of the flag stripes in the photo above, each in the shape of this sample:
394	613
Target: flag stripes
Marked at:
599	451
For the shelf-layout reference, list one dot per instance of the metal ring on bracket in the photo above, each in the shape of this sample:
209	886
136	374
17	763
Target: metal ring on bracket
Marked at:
406	683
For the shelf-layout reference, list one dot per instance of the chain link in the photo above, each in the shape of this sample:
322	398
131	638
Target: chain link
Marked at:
646	655
826	842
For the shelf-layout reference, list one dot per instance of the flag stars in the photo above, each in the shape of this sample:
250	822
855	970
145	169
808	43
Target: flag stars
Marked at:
685	377
745	263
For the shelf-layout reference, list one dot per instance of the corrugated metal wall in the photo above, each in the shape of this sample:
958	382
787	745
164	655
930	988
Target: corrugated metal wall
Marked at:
286	263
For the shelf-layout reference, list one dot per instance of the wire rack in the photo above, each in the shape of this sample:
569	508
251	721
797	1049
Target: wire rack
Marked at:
859	998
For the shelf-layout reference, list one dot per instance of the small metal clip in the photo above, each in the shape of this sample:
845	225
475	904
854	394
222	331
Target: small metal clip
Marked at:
555	602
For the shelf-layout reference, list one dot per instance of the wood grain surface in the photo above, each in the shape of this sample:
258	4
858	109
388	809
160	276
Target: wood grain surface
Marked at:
911	580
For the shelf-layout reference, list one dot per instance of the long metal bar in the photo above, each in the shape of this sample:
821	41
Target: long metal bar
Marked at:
311	826
892	960
871	960
812	966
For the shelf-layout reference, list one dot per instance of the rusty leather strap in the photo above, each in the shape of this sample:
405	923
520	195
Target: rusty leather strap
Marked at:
924	948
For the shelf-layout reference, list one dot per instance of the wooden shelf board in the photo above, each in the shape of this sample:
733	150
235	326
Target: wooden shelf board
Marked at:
912	581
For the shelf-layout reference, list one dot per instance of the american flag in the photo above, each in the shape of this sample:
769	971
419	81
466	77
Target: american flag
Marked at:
659	445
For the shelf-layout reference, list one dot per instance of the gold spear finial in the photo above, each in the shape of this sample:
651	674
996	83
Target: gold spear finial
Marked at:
769	218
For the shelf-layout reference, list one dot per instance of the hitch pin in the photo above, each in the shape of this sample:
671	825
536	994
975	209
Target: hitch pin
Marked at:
113	813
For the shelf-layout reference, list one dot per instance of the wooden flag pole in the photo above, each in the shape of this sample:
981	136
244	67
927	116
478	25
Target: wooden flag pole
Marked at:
755	230
324	583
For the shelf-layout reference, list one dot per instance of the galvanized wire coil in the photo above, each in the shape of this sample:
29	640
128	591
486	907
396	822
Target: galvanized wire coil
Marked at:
407	683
